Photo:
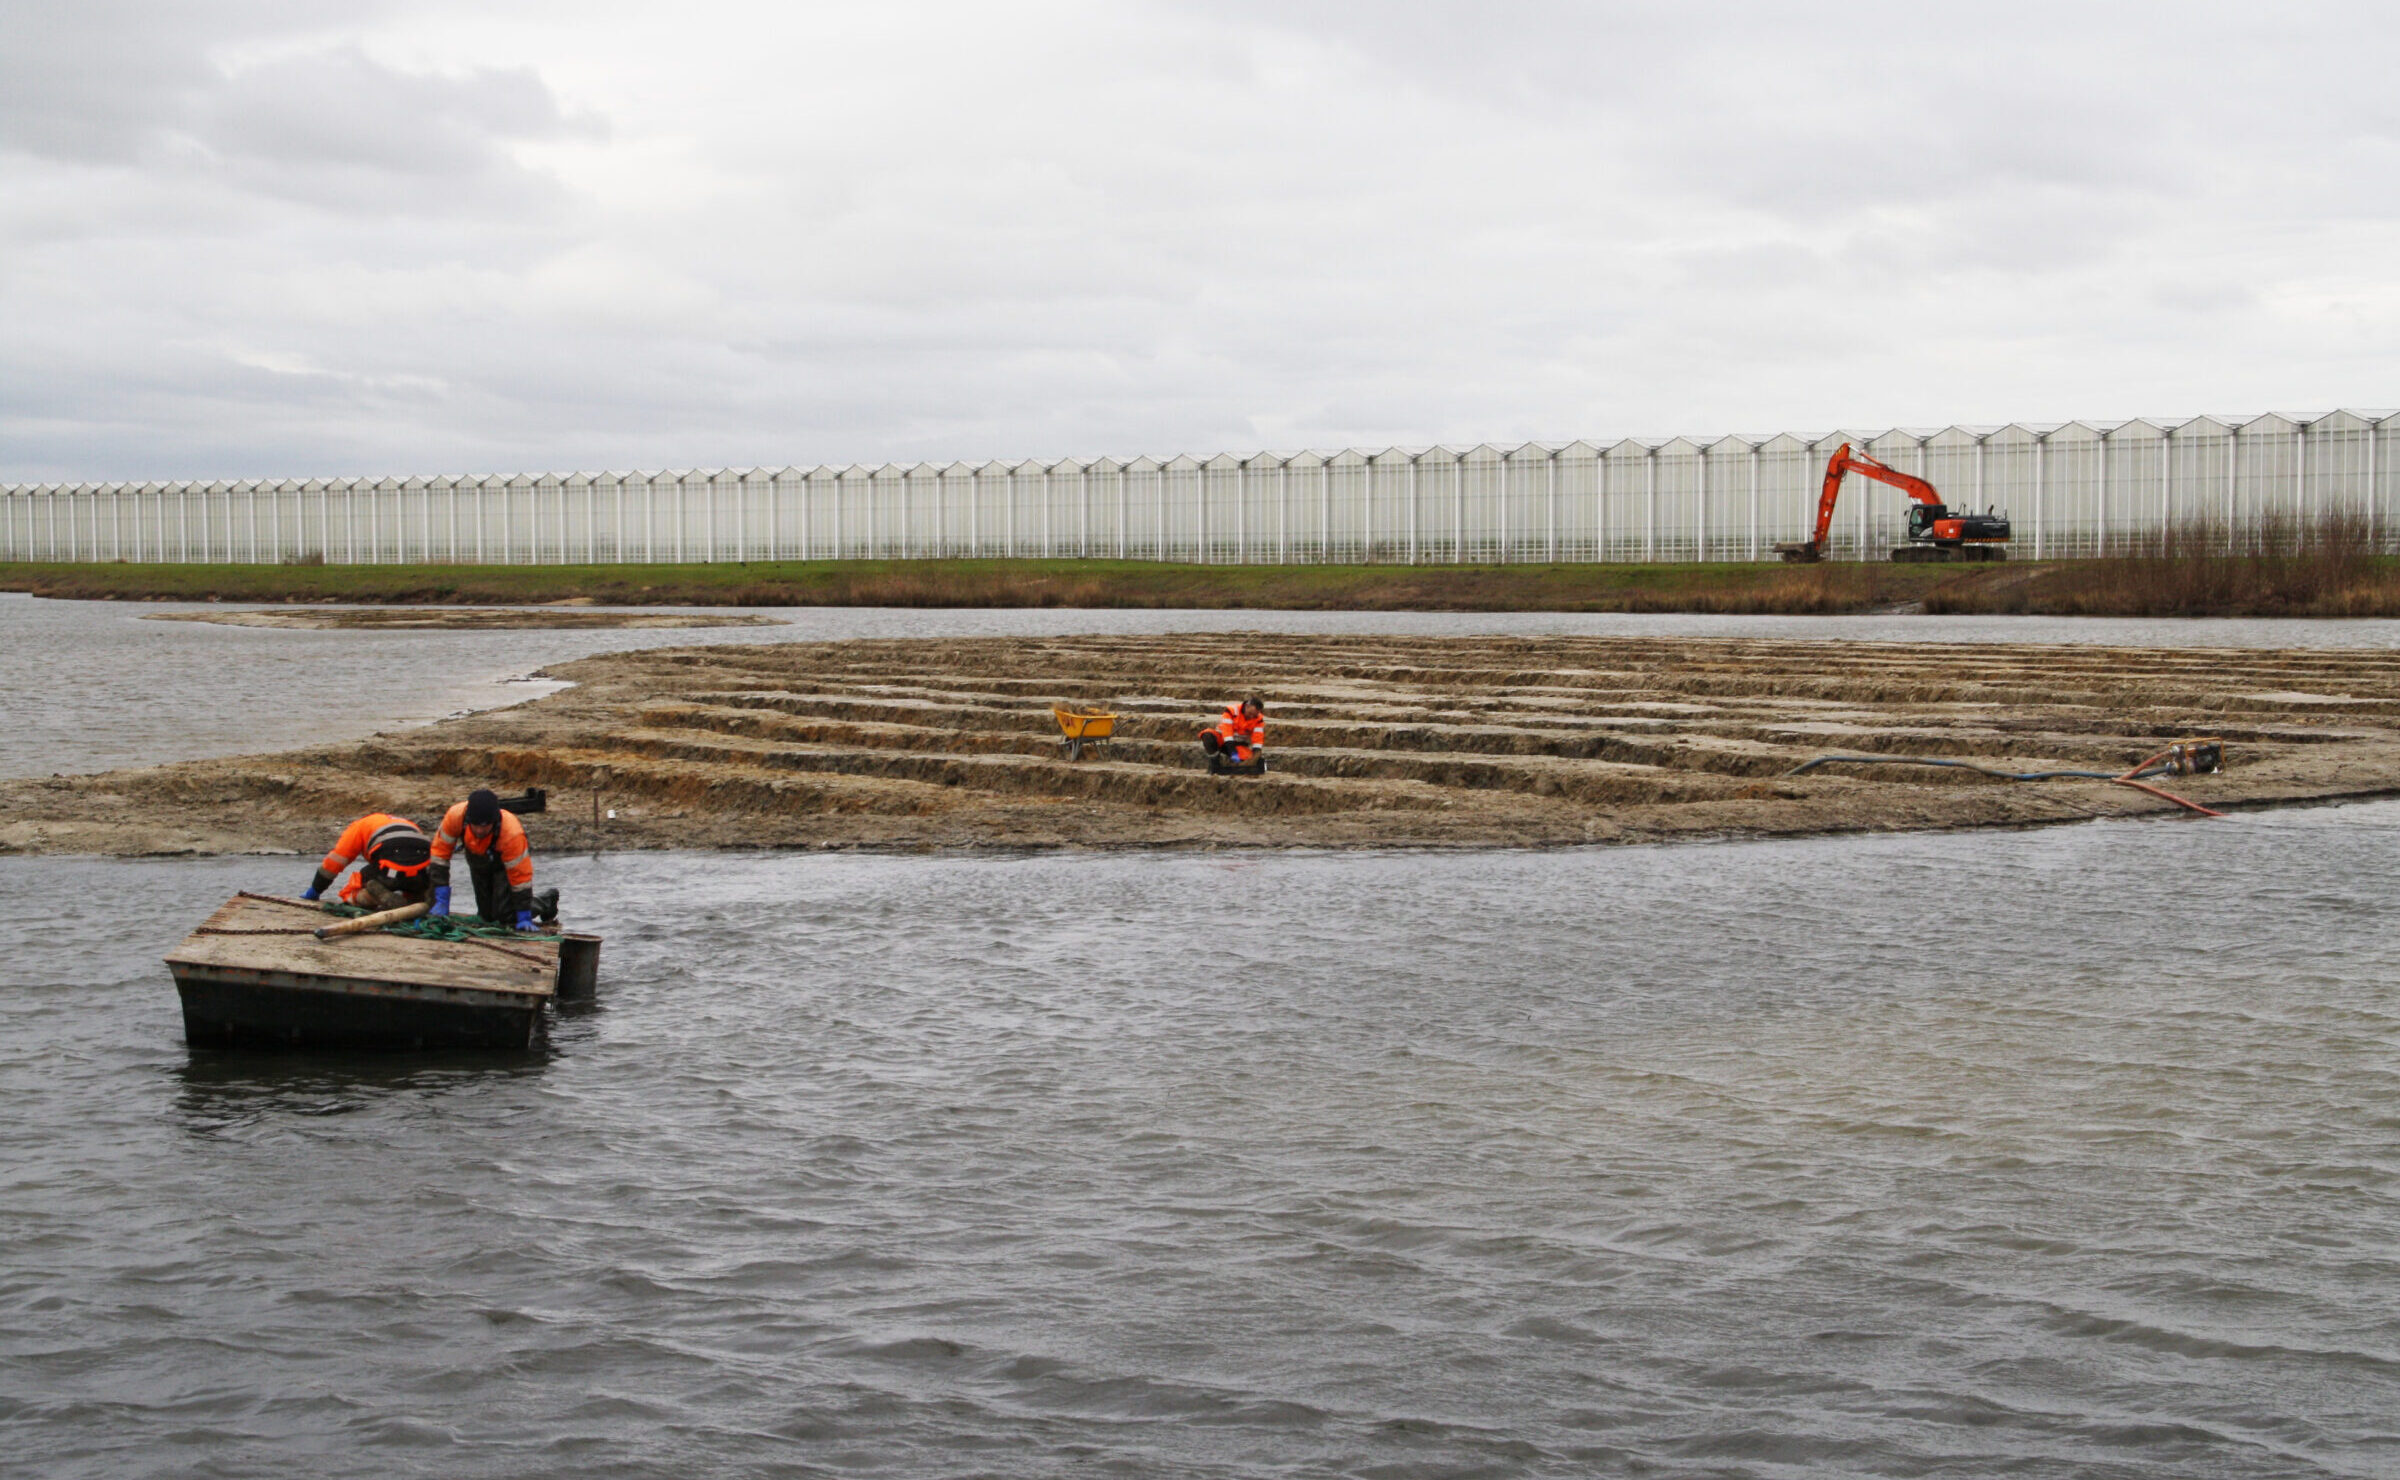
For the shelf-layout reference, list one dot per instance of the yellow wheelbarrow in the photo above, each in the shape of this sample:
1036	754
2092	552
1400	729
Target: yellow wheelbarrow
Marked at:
1081	729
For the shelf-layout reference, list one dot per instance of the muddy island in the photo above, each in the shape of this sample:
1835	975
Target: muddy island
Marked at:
1373	741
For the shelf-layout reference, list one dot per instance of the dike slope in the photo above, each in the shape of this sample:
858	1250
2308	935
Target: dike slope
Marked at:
1375	742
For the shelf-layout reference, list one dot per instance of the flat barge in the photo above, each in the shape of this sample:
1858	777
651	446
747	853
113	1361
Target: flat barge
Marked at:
255	975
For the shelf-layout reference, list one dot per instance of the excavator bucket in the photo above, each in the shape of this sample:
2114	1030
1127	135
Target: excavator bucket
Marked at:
1807	552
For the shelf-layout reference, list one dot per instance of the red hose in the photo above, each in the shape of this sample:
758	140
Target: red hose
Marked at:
2127	780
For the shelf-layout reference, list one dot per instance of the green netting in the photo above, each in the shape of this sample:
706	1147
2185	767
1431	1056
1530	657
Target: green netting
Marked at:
454	927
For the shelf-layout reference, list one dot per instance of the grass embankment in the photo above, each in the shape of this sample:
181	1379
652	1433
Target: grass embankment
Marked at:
1018	583
2326	567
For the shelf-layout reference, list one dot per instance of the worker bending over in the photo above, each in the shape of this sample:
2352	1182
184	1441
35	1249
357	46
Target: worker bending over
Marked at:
394	862
1236	743
498	861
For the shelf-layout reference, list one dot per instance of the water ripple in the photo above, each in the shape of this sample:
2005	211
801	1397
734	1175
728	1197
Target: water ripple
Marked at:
1670	1159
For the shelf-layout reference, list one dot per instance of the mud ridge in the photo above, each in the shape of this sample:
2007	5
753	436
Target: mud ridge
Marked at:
1375	742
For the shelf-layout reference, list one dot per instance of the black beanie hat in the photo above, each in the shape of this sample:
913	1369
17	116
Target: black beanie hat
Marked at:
483	809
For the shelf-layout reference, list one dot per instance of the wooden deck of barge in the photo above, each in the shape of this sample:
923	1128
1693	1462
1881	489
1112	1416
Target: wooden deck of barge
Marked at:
255	975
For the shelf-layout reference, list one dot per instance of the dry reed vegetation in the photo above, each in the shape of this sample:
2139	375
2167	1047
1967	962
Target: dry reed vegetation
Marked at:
2277	566
2323	566
1722	587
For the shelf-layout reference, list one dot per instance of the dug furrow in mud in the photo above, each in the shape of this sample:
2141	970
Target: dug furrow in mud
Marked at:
1380	742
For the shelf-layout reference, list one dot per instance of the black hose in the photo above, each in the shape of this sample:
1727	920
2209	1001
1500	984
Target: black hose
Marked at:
1928	760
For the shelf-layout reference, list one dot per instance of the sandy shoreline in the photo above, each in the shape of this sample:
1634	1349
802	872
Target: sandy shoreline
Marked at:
1377	742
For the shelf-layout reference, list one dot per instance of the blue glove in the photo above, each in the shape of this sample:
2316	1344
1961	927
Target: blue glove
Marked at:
309	893
524	919
441	901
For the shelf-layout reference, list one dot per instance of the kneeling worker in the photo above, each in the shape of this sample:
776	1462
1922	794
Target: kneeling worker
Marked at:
394	860
498	860
1237	742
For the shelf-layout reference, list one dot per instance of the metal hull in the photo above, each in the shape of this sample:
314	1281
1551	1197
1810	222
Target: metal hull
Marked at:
229	1007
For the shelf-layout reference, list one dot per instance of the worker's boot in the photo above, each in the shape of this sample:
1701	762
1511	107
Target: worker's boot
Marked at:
545	906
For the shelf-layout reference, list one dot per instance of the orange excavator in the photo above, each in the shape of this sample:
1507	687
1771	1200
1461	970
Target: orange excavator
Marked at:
1935	530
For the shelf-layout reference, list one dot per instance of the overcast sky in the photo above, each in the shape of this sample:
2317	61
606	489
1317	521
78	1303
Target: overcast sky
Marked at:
278	237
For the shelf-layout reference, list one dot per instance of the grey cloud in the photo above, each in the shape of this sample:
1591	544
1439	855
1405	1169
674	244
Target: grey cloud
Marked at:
1795	107
338	108
100	80
335	128
313	120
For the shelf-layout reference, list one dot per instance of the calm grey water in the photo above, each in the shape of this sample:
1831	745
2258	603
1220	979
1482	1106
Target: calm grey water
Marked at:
89	686
2060	1153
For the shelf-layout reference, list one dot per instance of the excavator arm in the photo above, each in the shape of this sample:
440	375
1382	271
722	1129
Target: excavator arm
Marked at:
1842	462
1845	461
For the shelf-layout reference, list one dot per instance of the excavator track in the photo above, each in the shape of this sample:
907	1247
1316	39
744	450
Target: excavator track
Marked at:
1947	554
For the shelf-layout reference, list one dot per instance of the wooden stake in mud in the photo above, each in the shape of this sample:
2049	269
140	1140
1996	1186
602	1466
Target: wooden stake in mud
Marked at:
376	921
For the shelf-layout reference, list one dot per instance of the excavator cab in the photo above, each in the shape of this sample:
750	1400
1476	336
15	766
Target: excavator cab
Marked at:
1939	522
1952	535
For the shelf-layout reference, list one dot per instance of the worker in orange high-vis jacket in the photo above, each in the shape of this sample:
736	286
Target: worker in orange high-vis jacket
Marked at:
498	860
395	863
1237	741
